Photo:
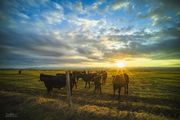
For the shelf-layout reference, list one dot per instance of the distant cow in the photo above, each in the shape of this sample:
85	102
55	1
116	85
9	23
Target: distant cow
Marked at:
19	72
119	81
58	81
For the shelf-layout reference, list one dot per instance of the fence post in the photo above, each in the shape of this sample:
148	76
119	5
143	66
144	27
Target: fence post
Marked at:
68	89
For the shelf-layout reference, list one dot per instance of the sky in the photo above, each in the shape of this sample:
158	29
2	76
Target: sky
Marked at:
89	33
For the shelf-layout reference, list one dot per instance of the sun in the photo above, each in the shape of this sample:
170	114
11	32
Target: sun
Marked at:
121	64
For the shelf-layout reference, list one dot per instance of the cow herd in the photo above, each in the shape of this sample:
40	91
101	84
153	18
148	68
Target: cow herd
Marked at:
98	78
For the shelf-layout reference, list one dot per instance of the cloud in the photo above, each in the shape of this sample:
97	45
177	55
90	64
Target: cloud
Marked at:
58	6
162	12
32	45
86	22
75	7
78	6
120	4
22	15
53	17
154	45
96	5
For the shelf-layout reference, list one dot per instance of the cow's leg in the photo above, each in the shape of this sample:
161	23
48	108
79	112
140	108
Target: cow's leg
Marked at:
75	83
85	84
95	88
89	84
71	90
119	92
76	79
104	81
49	89
100	89
127	89
114	90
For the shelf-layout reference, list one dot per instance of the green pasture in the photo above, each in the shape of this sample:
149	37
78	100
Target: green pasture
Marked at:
153	95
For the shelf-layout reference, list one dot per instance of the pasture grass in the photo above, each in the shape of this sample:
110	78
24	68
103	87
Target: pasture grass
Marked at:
153	95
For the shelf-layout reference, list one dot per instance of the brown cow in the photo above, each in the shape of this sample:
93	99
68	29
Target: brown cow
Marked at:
119	81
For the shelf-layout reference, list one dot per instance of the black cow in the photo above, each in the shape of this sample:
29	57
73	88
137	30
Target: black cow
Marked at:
88	78
72	78
58	81
20	71
78	74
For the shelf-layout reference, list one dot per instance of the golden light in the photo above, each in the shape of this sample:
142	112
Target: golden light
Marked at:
121	64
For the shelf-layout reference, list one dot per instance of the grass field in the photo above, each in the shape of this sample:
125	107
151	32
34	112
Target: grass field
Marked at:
153	95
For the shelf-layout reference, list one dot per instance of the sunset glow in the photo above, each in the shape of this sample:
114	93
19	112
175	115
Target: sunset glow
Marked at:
121	64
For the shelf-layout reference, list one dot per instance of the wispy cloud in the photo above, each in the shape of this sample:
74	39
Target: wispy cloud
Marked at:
120	4
53	17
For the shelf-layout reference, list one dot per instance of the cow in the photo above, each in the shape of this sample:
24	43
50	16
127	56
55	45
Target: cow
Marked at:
104	77
97	83
88	78
72	78
119	81
94	77
58	81
78	75
20	71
